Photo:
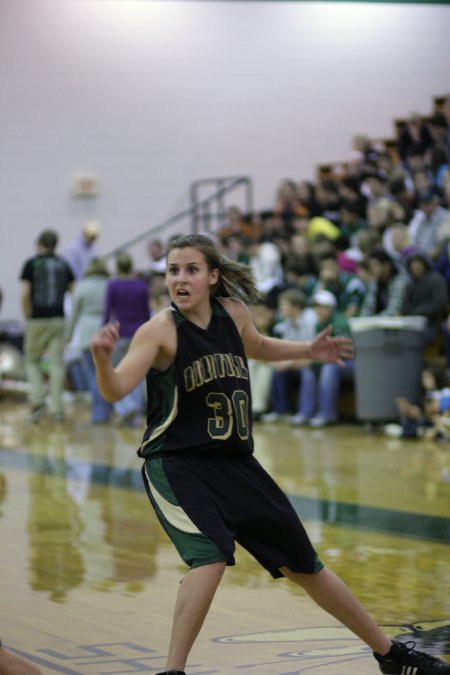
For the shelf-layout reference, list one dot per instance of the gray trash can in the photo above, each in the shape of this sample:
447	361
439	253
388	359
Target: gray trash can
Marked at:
388	364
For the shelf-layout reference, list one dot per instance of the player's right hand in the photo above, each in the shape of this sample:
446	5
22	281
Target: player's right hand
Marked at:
105	339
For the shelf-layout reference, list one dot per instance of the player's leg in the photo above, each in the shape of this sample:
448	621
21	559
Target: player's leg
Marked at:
330	593
194	599
393	657
12	664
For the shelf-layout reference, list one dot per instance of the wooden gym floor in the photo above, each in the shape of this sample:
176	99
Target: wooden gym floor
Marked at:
88	578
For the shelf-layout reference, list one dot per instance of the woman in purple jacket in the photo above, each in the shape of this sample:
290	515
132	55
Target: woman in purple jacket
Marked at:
127	302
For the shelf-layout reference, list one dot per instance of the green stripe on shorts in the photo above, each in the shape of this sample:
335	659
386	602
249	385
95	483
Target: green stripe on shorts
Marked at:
192	545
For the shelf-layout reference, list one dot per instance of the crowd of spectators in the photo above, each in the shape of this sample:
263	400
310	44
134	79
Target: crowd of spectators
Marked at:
370	238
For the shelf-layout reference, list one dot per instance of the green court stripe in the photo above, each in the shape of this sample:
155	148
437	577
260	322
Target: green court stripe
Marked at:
403	523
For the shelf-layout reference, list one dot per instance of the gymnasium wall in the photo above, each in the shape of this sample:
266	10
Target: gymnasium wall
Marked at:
148	96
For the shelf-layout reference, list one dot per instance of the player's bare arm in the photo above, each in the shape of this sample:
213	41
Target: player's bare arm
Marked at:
264	348
153	345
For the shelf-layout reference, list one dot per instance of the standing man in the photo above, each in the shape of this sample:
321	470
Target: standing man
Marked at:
79	252
45	279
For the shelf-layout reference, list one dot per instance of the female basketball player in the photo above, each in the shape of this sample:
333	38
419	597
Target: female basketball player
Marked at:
199	471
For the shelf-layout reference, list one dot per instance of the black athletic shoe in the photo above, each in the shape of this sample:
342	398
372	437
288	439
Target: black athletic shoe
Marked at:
403	659
172	672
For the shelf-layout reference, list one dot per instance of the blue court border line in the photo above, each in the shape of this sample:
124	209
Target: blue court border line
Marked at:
330	511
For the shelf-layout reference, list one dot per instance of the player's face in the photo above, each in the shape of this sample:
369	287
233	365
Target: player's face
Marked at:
188	277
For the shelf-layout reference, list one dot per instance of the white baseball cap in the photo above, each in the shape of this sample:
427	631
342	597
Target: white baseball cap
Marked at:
324	298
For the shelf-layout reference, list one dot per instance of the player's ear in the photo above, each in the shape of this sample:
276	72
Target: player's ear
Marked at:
214	276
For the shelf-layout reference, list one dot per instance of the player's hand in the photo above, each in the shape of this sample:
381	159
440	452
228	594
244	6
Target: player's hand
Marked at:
332	349
104	340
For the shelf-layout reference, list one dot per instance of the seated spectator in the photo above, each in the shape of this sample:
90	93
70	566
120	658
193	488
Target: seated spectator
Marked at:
159	300
380	215
439	126
294	323
426	223
306	193
347	288
403	198
320	382
298	273
350	194
236	225
387	287
425	295
397	242
377	187
157	258
329	201
351	221
416	421
440	167
265	263
414	135
235	246
287	204
442	264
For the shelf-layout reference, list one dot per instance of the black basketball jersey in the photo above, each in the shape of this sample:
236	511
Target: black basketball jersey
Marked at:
202	402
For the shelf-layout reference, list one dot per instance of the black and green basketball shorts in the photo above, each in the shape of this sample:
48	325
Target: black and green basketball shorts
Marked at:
207	503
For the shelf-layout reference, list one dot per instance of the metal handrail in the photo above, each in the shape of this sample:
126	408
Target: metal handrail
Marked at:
192	211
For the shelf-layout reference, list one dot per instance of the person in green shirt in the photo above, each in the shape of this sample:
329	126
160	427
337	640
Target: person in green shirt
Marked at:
320	383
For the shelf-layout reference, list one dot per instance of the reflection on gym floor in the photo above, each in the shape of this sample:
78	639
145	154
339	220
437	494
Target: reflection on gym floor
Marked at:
89	578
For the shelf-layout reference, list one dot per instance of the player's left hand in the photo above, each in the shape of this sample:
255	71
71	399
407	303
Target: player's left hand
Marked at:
332	349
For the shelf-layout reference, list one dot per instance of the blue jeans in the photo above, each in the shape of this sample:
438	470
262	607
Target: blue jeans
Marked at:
319	389
101	409
284	382
132	402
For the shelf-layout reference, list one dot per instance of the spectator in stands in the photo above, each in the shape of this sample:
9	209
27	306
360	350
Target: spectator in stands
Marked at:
350	194
439	126
414	135
415	421
386	289
86	318
299	272
306	192
235	246
440	168
380	214
295	322
128	303
402	197
287	204
426	223
159	300
329	201
377	186
236	225
157	258
425	295
82	249
442	264
45	279
347	288
397	242
319	384
265	263
351	221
